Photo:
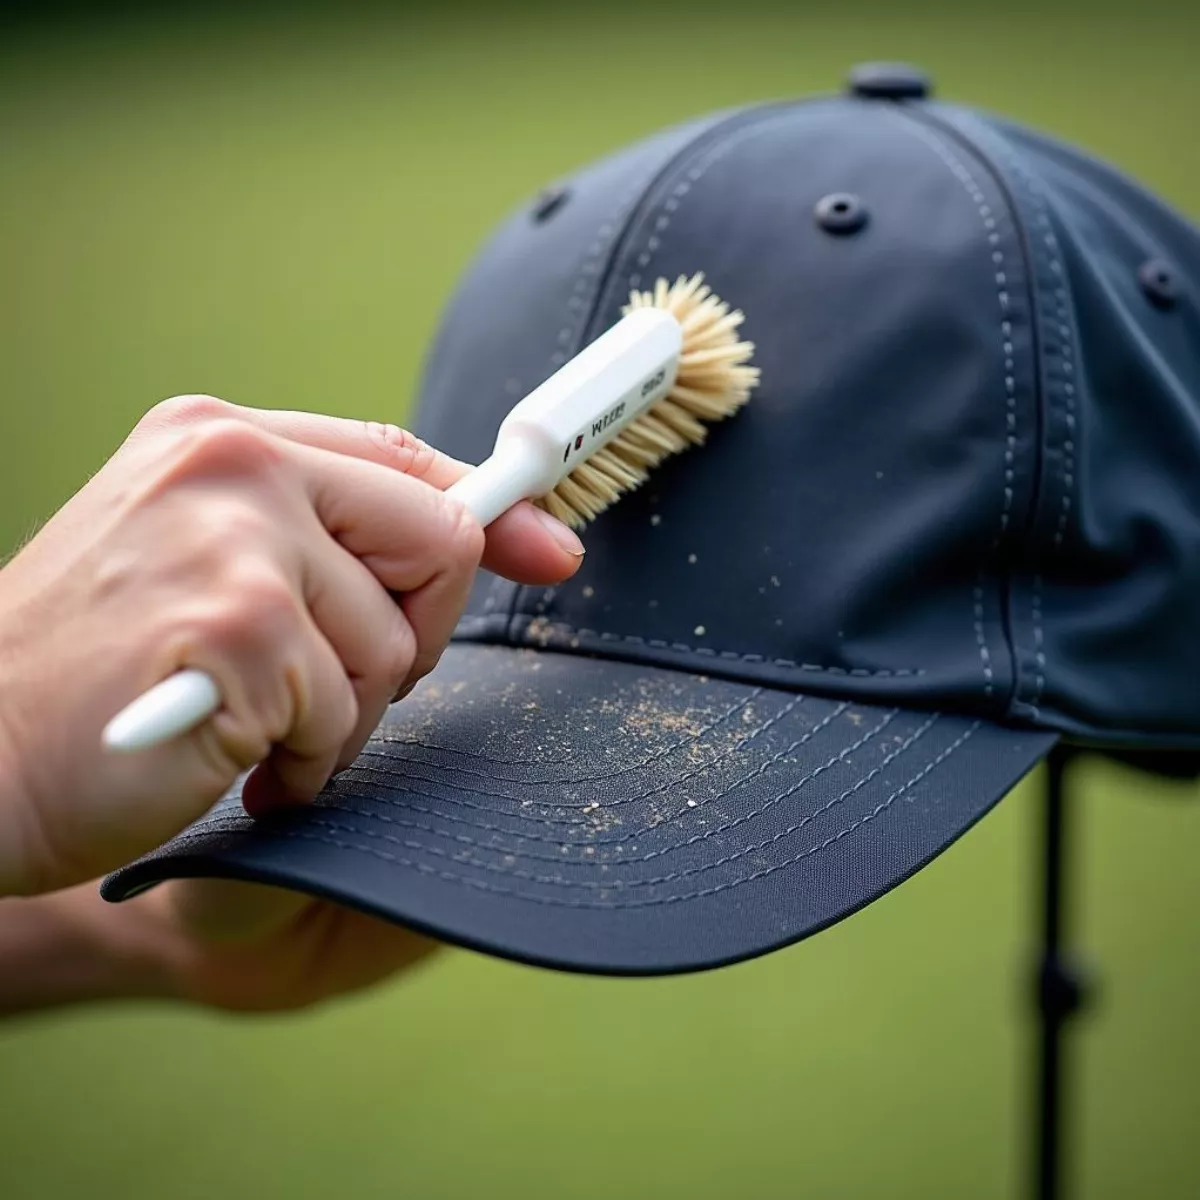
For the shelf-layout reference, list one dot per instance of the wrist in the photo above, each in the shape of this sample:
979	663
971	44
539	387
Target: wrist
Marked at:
16	817
23	850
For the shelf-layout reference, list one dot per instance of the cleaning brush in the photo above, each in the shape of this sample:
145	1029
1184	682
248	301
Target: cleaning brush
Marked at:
644	390
711	382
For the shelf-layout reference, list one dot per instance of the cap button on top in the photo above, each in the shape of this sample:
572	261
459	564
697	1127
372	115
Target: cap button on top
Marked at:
889	81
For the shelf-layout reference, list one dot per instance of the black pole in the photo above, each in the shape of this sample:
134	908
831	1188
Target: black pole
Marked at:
1060	988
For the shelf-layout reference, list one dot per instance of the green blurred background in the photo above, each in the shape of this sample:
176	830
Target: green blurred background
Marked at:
273	205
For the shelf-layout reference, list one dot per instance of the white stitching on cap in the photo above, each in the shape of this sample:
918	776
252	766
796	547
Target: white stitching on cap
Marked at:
1000	276
1066	355
1068	446
563	627
695	173
483	886
717	831
577	306
561	837
1039	654
627	767
189	837
463	858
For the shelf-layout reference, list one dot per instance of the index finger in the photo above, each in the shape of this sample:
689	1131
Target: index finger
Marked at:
526	544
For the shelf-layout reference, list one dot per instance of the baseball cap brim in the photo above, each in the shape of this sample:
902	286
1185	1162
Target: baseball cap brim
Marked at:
602	816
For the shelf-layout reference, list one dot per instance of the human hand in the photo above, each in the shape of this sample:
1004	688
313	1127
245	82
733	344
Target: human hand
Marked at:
268	951
310	564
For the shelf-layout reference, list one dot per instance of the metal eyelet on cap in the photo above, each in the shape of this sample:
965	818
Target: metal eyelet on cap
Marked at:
1159	283
841	212
549	200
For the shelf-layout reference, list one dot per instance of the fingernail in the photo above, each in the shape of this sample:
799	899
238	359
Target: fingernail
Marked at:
562	534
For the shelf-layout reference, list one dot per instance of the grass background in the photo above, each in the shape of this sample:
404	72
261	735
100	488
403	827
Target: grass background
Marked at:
273	204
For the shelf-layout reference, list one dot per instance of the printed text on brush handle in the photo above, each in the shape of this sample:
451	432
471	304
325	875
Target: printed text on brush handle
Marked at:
649	394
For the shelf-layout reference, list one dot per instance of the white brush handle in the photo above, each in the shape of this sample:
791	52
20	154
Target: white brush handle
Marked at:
512	473
579	409
168	709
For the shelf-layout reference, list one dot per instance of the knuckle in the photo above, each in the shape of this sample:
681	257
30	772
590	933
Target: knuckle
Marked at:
324	706
252	609
395	652
226	538
187	409
346	713
399	654
228	446
403	449
464	538
227	527
263	592
230	745
424	657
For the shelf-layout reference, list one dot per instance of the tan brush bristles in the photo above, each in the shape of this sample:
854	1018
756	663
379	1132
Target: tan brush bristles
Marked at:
712	383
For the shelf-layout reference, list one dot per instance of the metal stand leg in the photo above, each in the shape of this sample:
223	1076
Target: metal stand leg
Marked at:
1061	990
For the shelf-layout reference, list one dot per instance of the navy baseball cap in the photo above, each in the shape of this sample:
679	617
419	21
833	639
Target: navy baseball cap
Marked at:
958	521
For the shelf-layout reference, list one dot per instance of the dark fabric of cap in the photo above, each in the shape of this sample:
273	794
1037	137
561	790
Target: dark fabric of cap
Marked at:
958	521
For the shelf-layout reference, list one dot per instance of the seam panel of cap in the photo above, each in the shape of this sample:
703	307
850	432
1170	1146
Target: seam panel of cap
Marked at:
1015	518
1058	379
1015	504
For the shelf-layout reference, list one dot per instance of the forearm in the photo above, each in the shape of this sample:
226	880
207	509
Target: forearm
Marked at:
71	946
